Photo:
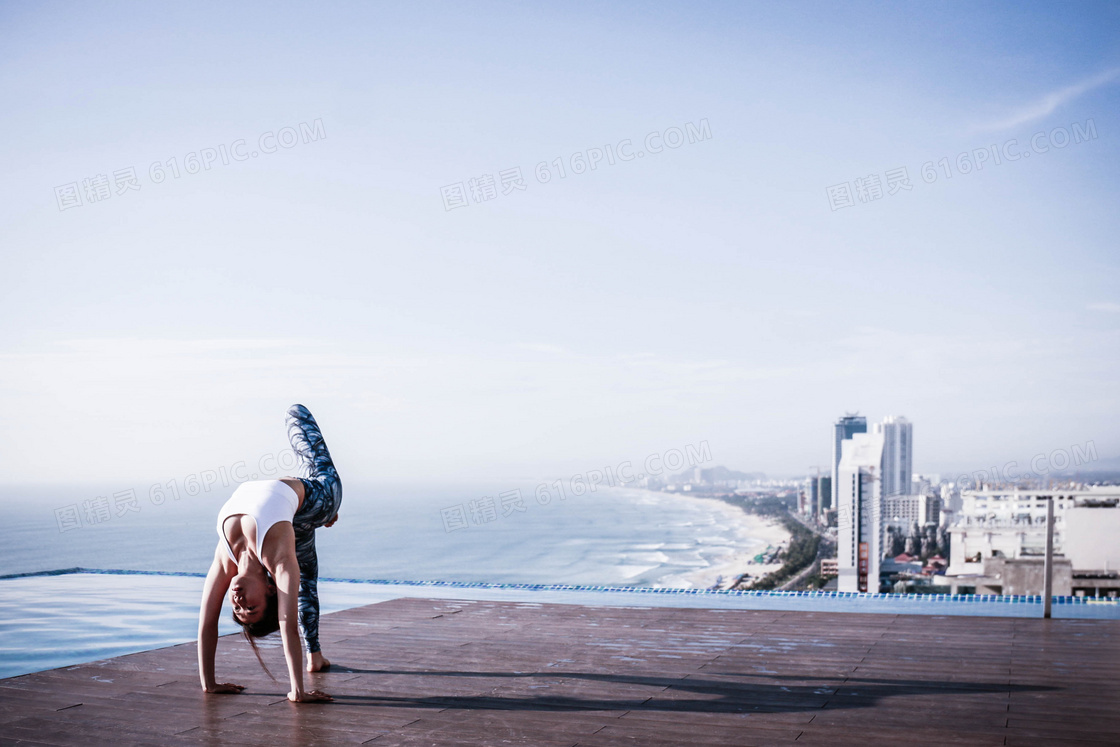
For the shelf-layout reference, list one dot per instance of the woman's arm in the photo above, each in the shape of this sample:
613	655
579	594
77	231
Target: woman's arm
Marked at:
285	572
213	592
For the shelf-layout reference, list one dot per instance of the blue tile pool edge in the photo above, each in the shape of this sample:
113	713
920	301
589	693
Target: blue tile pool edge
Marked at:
606	589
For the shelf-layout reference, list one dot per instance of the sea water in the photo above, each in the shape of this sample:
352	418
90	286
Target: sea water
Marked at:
501	532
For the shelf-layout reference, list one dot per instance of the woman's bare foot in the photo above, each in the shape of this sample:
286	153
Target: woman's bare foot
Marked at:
317	662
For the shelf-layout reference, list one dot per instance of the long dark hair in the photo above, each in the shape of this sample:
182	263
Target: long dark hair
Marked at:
269	623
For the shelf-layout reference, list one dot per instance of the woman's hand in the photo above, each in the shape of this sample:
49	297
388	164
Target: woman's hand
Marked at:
314	696
225	687
332	521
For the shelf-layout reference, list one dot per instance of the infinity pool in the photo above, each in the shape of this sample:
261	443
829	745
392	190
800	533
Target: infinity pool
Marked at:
50	621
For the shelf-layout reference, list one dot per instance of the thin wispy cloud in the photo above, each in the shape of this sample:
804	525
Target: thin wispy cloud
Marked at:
1051	102
541	347
1110	306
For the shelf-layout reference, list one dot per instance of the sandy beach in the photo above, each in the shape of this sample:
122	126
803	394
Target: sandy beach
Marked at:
757	532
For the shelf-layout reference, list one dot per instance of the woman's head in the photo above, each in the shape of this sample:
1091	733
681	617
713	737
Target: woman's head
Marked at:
253	595
260	620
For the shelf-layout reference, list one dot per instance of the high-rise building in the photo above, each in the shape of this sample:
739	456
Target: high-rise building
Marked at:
824	496
842	430
898	455
859	503
811	498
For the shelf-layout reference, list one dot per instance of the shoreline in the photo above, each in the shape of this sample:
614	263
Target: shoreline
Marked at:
763	531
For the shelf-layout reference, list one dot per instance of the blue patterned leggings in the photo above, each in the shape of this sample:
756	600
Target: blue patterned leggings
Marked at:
322	498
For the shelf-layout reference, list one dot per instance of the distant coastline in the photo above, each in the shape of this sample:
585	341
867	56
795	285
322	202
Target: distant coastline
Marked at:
763	531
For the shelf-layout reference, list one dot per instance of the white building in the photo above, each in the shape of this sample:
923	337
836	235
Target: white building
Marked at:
859	524
950	500
1012	523
903	510
898	455
810	500
1092	538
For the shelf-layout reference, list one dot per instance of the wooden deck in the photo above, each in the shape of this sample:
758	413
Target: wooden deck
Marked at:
437	672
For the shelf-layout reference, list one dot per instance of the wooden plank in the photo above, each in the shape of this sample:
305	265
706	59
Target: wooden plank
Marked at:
416	671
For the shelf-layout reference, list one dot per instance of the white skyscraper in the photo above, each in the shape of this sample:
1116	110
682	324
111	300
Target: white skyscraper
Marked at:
898	455
859	526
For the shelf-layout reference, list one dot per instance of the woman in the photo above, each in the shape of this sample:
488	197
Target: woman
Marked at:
266	559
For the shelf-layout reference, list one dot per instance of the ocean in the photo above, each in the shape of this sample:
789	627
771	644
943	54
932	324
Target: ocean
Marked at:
500	532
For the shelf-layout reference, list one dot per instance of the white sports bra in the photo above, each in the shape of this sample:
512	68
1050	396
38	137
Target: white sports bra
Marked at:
266	501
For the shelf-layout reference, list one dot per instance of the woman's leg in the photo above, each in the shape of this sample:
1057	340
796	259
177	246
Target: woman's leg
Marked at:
322	498
308	588
323	488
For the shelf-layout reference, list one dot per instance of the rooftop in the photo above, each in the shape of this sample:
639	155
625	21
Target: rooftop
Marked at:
478	671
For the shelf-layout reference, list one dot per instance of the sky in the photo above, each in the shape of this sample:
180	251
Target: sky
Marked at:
211	212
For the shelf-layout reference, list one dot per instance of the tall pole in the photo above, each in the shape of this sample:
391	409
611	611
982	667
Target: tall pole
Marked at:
1048	568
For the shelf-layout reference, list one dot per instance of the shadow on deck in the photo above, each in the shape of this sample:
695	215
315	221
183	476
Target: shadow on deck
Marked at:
418	671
